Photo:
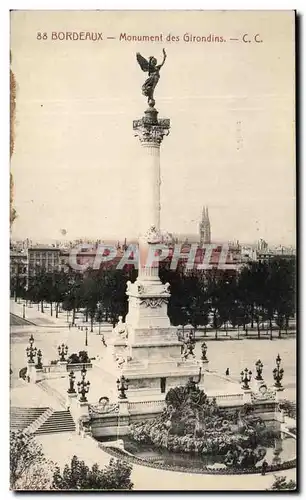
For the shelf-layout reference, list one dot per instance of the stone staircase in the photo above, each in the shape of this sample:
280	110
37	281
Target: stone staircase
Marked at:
58	421
52	392
22	418
31	429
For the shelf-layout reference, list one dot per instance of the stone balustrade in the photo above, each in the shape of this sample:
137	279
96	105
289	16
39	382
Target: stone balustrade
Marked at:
221	398
77	367
139	407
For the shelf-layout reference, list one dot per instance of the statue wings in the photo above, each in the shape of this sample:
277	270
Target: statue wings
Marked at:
143	63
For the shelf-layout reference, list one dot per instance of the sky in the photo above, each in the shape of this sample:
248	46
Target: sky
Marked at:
76	163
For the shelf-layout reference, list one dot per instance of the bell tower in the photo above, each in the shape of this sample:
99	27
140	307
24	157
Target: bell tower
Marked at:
204	228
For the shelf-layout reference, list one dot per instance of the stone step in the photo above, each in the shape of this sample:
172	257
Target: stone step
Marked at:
22	418
59	421
39	421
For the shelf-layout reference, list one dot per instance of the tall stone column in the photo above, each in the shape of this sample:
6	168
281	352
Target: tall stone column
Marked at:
150	130
148	296
147	347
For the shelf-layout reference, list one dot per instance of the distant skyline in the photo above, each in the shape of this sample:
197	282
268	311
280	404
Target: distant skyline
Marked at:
232	141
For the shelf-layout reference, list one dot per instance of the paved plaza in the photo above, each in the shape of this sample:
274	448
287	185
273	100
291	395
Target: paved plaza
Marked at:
49	332
222	354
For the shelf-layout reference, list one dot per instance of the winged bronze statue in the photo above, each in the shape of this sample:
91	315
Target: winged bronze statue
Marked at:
153	69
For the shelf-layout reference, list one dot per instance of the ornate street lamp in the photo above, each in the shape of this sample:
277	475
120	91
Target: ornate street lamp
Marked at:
204	351
71	389
259	367
31	351
246	376
83	386
122	386
278	373
62	351
39	360
189	346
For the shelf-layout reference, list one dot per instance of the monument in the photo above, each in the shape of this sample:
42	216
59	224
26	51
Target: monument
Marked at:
146	346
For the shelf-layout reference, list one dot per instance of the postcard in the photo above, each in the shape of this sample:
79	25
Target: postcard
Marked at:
152	250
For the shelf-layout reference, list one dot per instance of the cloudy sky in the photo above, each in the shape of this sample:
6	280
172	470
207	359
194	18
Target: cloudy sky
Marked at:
231	105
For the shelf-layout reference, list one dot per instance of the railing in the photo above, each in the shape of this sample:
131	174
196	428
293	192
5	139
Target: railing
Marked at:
158	405
53	368
137	406
79	366
227	397
66	367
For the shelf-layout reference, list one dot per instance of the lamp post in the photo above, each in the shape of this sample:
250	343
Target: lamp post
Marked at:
246	376
31	351
71	389
259	367
122	386
86	336
278	373
62	351
83	386
23	311
190	346
39	360
204	351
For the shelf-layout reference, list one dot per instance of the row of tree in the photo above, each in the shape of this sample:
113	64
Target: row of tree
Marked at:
262	293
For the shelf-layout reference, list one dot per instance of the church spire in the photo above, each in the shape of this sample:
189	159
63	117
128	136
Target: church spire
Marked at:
205	234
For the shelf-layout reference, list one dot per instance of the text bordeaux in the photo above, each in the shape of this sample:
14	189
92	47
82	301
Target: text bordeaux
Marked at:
77	35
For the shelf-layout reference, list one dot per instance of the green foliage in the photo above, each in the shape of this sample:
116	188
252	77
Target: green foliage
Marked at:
23	373
281	483
78	476
29	469
82	357
261	292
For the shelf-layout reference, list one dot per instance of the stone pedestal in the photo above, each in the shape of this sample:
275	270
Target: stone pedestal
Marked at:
247	396
279	394
31	373
83	408
39	374
256	384
147	350
72	405
123	420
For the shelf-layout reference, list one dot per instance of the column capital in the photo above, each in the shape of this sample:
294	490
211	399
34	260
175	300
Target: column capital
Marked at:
150	129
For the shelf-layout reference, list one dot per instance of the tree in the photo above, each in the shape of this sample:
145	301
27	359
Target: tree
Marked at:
281	483
78	476
29	469
99	317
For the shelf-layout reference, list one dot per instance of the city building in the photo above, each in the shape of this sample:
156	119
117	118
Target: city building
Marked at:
39	258
18	264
